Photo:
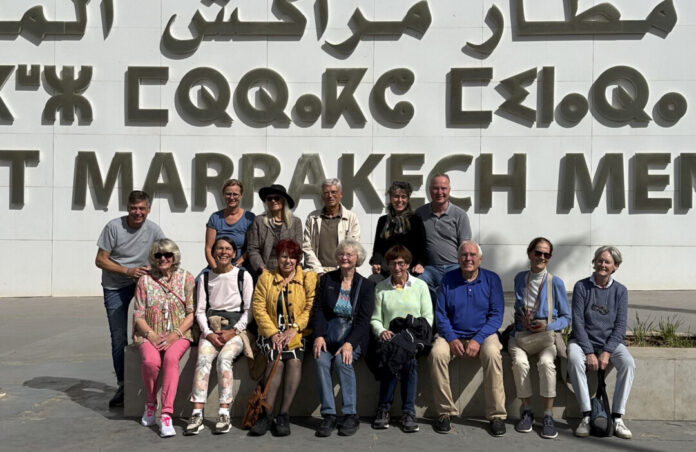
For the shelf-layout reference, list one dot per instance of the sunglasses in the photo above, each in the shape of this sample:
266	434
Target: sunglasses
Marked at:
167	255
541	253
273	198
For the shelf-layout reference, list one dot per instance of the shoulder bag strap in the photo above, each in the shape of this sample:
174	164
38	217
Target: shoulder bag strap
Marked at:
168	289
270	375
240	285
549	297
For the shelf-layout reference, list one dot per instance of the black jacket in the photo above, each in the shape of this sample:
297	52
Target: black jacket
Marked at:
363	305
412	337
413	240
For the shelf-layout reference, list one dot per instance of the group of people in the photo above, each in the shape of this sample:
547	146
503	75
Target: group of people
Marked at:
427	296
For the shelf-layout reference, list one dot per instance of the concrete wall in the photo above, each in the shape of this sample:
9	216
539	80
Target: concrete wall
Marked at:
47	243
662	388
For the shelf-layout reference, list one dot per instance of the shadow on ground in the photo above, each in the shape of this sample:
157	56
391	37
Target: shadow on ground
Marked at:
90	394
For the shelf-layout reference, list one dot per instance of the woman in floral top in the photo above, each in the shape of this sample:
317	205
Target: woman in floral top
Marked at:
163	316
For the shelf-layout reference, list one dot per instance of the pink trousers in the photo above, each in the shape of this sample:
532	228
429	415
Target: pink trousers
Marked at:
152	361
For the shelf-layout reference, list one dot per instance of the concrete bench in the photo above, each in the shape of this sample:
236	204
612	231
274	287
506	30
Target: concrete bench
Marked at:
663	388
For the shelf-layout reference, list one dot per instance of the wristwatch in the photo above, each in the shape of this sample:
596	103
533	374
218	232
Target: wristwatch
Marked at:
296	326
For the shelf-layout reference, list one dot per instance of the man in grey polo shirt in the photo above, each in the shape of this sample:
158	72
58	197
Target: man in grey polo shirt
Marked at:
446	226
327	227
124	245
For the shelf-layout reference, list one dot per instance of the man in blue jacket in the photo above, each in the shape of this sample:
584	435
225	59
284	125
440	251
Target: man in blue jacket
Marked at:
468	314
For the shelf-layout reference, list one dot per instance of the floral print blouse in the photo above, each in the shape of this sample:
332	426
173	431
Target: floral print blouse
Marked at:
161	308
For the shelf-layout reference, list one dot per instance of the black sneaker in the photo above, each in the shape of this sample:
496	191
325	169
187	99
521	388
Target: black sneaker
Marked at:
328	424
117	399
350	425
443	424
526	422
381	419
281	425
408	423
263	423
497	427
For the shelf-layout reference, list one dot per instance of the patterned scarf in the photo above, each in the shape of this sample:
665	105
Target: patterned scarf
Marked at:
397	223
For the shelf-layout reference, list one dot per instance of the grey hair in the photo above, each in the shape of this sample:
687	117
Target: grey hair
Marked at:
470	242
440	175
614	251
332	181
355	245
164	246
286	214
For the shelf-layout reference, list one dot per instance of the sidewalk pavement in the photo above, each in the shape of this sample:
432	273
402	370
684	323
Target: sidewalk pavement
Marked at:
56	379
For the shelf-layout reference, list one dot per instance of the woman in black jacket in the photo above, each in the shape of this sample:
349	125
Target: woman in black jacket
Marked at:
341	325
398	227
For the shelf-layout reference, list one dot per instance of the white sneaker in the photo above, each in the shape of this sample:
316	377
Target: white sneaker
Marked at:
166	426
583	429
621	430
148	418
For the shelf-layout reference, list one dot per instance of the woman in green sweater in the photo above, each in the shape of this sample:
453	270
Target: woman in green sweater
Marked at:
398	296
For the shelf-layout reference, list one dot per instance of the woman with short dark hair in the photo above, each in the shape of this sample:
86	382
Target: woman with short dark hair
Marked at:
397	297
398	227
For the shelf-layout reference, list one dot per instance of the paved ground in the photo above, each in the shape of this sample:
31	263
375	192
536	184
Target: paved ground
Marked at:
56	379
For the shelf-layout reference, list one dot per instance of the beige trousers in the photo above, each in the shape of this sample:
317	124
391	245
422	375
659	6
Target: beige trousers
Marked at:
546	367
492	364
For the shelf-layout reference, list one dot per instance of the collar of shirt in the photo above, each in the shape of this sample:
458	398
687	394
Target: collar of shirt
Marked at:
446	212
338	215
611	281
408	283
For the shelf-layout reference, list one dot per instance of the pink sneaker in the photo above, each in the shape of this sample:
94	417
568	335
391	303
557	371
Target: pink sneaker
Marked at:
148	418
166	426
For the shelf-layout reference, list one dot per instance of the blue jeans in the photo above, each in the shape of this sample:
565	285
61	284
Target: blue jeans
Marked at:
625	366
116	302
346	378
432	275
409	386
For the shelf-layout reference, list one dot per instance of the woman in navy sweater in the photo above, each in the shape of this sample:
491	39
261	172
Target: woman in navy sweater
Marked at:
600	306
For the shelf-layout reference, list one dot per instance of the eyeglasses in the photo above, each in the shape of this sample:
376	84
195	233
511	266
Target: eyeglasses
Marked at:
167	255
601	309
469	255
348	255
273	198
538	253
399	263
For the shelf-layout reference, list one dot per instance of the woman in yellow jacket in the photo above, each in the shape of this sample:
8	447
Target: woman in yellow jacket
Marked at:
282	304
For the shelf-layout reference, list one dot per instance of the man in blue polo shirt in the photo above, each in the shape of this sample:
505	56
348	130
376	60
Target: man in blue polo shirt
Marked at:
469	312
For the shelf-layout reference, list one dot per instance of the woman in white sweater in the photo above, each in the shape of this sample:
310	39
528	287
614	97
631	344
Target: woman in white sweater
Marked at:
225	294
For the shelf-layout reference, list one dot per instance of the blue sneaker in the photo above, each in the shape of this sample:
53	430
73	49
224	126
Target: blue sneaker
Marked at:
525	423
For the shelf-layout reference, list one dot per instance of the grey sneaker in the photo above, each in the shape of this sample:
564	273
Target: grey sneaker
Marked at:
195	425
548	431
525	423
381	419
408	423
583	429
223	424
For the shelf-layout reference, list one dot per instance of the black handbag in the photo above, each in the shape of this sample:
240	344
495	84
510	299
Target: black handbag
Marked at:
600	419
